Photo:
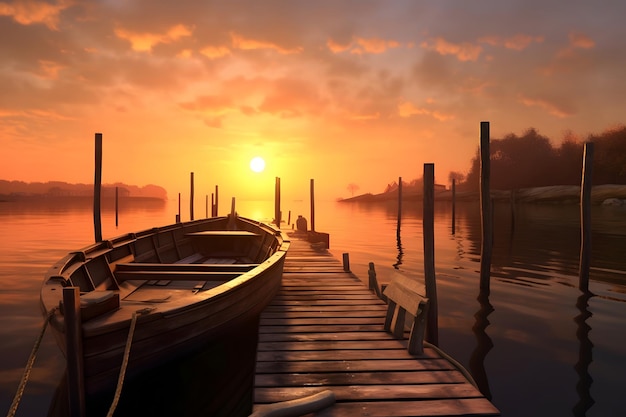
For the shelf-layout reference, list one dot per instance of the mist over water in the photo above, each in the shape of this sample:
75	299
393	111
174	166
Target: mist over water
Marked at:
535	346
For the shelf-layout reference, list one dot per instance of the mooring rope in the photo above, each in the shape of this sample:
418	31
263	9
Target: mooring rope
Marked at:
120	379
29	366
455	363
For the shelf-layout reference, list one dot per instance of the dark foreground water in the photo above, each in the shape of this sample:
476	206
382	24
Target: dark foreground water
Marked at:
536	345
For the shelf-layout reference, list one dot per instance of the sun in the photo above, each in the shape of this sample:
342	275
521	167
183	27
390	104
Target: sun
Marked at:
257	164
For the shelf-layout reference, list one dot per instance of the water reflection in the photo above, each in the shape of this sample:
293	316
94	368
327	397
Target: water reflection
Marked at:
583	386
400	255
483	344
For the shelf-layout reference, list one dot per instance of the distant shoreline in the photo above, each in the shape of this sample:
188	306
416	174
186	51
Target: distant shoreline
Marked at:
558	194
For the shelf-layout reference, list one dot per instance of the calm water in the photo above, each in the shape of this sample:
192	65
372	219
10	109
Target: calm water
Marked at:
536	345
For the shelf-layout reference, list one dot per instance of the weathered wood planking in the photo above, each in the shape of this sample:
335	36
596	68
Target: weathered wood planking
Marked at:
324	330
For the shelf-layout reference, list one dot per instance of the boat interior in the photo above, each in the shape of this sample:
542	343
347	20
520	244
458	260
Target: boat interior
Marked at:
159	264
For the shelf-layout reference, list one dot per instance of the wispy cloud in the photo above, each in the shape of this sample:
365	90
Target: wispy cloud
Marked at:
28	12
145	41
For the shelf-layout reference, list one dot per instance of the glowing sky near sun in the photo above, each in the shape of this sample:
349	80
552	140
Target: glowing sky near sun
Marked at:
344	92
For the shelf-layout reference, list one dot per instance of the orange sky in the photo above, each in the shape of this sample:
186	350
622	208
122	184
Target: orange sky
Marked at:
340	91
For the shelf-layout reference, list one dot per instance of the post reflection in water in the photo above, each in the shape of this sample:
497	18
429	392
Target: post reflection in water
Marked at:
583	386
400	250
483	346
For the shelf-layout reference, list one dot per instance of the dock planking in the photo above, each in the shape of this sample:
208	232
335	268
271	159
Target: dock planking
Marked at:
324	331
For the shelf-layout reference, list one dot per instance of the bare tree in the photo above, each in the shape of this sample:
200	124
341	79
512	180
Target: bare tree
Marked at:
352	187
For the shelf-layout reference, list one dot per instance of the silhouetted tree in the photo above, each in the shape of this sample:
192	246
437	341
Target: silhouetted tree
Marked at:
352	187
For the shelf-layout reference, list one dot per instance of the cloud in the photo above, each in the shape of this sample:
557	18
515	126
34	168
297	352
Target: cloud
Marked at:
518	42
407	109
361	46
247	44
144	42
464	51
550	106
27	12
214	52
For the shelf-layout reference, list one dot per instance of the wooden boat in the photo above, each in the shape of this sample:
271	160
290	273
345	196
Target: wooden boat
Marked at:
189	285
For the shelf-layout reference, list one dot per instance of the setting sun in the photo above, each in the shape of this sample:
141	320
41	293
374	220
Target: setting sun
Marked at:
257	164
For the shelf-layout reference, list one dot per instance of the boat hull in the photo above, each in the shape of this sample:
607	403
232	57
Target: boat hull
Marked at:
208	308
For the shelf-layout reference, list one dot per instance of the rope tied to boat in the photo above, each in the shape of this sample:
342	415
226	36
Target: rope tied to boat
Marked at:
129	341
29	365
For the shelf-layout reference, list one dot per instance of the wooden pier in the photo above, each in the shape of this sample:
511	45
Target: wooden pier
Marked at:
324	331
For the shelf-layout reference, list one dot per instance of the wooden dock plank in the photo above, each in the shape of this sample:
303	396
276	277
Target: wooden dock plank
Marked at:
324	331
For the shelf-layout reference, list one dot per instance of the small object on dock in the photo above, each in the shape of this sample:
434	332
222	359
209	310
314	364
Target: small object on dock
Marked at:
297	407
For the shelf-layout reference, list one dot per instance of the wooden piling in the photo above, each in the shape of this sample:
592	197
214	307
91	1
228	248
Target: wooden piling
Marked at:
213	205
216	201
346	262
206	206
289	218
74	353
277	203
312	187
179	219
117	199
428	224
453	206
399	222
585	218
485	209
191	198
97	189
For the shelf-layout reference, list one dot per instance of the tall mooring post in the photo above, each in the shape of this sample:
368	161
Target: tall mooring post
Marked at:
97	189
312	205
191	195
585	218
277	203
485	209
399	222
428	224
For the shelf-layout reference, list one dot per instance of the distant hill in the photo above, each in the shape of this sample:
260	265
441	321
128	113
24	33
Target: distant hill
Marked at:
19	190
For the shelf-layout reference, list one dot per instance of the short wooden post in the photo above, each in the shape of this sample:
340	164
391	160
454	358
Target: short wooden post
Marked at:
428	224
97	189
179	219
277	203
585	218
117	199
485	209
346	262
216	202
212	205
74	354
206	206
289	218
191	194
399	222
373	280
453	206
312	187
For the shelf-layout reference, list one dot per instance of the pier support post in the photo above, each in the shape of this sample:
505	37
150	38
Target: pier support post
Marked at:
74	354
453	206
97	189
191	198
277	203
585	218
485	209
312	205
428	223
346	262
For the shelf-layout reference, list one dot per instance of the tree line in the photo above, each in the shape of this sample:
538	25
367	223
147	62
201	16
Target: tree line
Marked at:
530	160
